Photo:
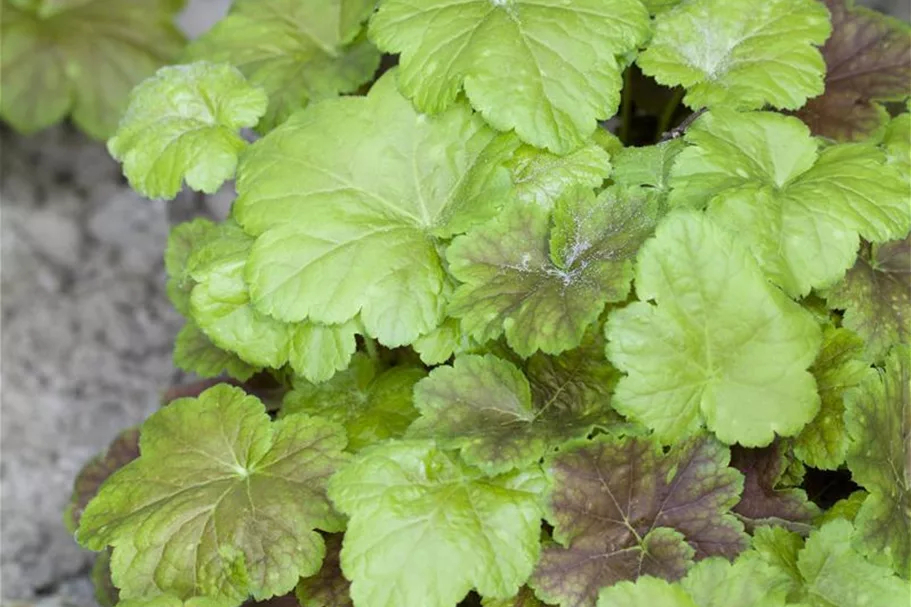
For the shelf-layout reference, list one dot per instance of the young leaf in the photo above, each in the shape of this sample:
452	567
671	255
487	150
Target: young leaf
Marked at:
764	501
868	58
182	239
876	296
647	166
740	54
425	529
222	501
878	418
296	51
195	353
799	209
897	143
720	347
122	450
328	588
485	407
348	199
183	124
220	306
81	59
542	178
543	278
840	365
833	573
621	508
373	405
525	598
546	68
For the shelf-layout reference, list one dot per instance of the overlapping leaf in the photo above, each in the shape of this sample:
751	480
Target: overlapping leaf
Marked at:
296	51
868	58
347	200
328	588
621	509
546	68
543	278
740	54
878	418
182	125
649	166
425	529
840	365
182	239
542	177
194	352
525	598
486	407
876	296
371	403
81	59
764	501
222	501
799	209
720	347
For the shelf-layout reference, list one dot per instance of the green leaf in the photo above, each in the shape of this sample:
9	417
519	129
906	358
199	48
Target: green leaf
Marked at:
876	296
720	347
122	450
835	575
542	178
372	404
350	198
328	588
546	68
182	239
81	59
169	600
425	529
868	58
525	598
740	54
878	418
106	594
764	500
622	508
182	125
220	305
840	365
195	353
799	209
897	143
486	407
222	501
647	166
298	52
846	508
543	278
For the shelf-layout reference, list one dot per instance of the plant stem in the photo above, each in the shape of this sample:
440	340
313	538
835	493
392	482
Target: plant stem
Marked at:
664	122
626	106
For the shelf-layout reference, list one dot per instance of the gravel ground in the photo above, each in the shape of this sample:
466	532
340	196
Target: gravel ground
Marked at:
87	334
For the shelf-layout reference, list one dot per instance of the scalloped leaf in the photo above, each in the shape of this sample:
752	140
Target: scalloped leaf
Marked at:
298	52
222	501
547	68
543	278
542	178
424	528
622	508
182	125
868	58
195	353
720	347
81	59
740	54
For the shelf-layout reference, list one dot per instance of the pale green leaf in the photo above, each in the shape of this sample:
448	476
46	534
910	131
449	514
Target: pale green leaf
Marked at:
182	125
81	59
182	239
297	51
195	353
350	197
542	177
546	68
740	54
720	347
799	209
222	501
425	529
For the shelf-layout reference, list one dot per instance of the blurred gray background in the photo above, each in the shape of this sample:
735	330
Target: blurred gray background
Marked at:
86	332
